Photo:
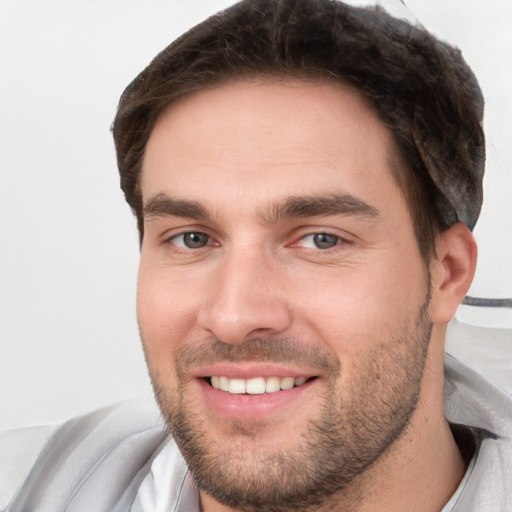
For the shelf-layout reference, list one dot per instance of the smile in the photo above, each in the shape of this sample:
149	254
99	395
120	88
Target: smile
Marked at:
256	385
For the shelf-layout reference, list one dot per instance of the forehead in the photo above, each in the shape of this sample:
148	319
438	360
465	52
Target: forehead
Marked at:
251	139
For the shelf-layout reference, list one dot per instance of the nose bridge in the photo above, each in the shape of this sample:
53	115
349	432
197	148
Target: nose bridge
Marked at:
245	298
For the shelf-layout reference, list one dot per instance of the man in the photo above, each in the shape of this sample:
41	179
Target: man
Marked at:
305	176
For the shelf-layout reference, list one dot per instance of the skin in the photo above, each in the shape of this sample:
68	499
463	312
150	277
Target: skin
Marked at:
365	317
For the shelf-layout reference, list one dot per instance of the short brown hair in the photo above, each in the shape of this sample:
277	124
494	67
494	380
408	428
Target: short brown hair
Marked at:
420	87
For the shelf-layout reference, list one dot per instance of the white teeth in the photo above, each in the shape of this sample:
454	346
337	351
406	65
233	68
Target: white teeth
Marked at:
256	385
287	383
237	386
223	383
272	384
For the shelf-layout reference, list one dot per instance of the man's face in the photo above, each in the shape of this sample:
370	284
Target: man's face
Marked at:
279	264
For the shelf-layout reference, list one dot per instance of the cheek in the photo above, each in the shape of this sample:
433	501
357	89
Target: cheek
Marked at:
352	310
166	312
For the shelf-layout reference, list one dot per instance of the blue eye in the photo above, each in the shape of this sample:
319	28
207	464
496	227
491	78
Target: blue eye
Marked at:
191	240
320	241
325	240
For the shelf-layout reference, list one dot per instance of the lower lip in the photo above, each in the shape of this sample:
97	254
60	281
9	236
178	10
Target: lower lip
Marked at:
251	407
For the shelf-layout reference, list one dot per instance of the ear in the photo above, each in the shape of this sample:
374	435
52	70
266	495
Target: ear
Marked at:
452	271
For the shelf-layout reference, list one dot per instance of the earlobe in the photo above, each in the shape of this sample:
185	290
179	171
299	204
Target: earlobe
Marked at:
455	266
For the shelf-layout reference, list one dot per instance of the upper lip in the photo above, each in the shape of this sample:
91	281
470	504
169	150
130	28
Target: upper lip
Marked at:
249	370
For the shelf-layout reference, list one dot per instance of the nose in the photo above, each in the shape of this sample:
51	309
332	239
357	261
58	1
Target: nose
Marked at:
245	299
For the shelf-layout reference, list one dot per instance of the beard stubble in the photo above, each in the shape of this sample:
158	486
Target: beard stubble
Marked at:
355	426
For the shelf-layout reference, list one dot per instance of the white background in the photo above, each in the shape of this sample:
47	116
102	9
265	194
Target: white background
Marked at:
68	243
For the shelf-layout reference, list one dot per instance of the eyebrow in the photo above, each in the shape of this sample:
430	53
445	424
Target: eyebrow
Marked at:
162	205
319	205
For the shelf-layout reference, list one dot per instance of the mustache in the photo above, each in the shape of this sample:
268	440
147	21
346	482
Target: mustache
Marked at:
257	350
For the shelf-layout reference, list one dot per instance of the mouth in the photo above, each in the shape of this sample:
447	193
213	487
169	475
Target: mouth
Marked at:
256	385
255	391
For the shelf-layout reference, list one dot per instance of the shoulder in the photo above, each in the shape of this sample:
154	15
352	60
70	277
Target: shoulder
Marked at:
477	394
48	466
478	382
472	399
18	450
488	350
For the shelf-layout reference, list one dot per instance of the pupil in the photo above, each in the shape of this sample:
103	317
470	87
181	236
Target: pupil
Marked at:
195	240
325	241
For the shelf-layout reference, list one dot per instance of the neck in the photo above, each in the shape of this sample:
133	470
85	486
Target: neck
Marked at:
420	472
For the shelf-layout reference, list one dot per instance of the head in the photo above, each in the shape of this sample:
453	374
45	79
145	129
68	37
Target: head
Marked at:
299	178
420	88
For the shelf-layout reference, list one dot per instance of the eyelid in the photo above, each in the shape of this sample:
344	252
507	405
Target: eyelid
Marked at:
171	230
